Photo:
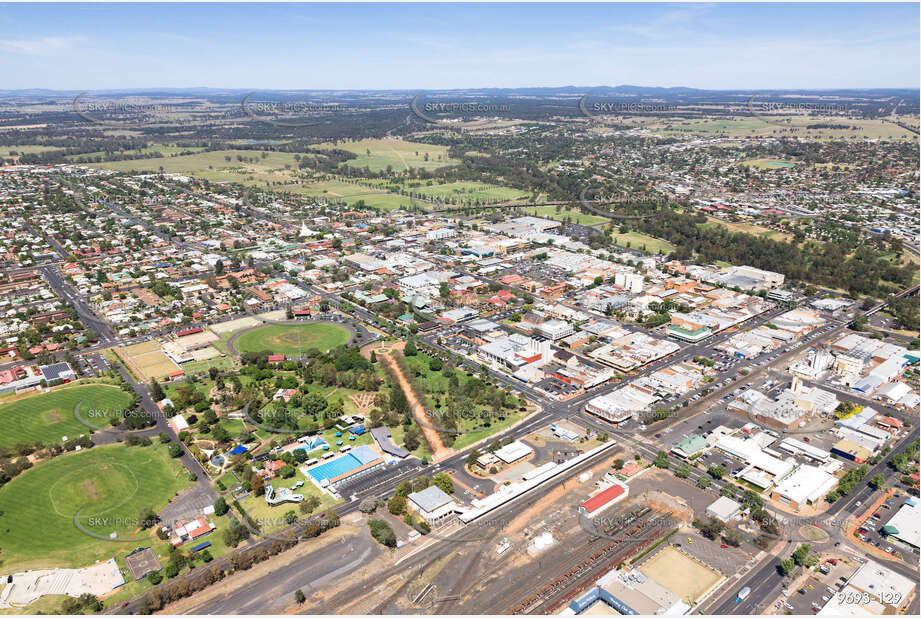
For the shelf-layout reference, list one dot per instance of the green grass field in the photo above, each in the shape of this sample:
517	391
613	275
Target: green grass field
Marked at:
243	166
289	340
650	244
167	150
397	154
49	417
769	164
470	192
110	483
27	149
550	212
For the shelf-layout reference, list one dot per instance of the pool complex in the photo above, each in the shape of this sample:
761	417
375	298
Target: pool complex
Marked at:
338	470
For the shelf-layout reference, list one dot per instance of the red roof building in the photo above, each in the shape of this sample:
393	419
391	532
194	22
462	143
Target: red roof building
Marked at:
276	358
603	500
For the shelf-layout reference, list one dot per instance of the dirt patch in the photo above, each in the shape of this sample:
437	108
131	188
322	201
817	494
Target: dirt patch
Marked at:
51	416
685	575
439	450
89	489
364	402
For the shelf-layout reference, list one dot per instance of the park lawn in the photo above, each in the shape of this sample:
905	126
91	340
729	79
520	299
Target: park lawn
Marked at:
769	164
292	340
474	428
111	483
636	240
214	166
21	149
750	228
470	192
221	363
168	150
398	154
337	189
422	451
550	212
271	518
47	604
48	417
383	201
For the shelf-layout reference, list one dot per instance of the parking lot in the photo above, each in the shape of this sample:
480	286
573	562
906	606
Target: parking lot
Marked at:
819	588
871	530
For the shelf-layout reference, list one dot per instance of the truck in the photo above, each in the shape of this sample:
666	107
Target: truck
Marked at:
744	592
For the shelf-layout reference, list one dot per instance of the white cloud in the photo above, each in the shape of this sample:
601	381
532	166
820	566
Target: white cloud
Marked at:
43	46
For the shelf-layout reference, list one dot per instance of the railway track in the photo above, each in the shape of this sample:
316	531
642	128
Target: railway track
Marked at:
585	564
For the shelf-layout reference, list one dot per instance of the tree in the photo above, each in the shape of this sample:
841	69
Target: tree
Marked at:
397	505
147	518
410	349
174	450
683	471
786	566
382	532
618	464
443	482
661	460
878	481
156	391
716	472
710	527
801	555
299	596
220	506
703	482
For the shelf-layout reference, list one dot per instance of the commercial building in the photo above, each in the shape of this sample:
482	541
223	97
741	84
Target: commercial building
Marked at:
806	485
603	499
904	525
432	504
724	509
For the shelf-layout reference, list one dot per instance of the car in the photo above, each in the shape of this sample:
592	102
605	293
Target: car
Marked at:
805	439
724	546
858	503
802	591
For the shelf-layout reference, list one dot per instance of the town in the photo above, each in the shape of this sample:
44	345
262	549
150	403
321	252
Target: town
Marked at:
496	357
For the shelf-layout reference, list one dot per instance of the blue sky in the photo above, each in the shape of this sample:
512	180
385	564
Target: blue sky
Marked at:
435	46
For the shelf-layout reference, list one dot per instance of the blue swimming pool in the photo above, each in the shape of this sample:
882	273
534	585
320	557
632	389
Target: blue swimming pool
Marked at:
340	465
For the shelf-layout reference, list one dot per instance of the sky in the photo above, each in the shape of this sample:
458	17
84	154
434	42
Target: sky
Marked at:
444	46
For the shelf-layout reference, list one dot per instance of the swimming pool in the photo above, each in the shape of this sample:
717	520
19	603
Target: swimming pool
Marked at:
341	465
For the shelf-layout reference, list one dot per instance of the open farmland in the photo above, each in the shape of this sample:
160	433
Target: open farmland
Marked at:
379	154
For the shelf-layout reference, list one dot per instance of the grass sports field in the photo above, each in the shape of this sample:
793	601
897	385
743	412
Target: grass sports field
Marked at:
769	164
50	416
288	340
149	360
680	573
113	483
